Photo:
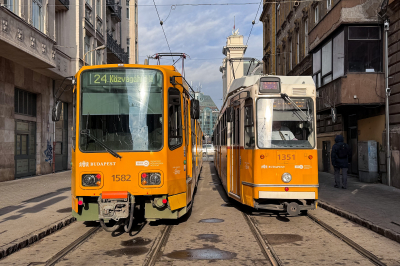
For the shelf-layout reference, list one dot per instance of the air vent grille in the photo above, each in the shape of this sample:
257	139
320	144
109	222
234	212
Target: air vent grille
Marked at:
299	91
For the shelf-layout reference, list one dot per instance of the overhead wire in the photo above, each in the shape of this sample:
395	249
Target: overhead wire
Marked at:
165	35
248	38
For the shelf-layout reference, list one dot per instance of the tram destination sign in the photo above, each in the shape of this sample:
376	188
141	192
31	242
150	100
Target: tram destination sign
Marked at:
101	79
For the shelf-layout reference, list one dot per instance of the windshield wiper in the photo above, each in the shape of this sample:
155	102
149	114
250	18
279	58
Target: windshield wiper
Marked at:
113	153
287	98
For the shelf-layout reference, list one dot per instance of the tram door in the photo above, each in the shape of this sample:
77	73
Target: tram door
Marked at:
187	149
236	152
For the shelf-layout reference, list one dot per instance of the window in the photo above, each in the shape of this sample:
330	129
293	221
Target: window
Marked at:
88	14
364	49
317	68
87	55
316	15
127	12
281	125
249	141
37	16
98	57
328	4
326	63
338	56
12	5
98	8
128	117
305	38
298	48
24	102
174	119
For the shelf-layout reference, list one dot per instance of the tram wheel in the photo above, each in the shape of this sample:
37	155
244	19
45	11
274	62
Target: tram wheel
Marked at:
293	209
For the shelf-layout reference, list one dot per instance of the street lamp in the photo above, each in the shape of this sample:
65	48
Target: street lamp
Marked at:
97	48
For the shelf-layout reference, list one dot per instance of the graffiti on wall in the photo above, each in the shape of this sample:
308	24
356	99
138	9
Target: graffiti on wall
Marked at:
48	153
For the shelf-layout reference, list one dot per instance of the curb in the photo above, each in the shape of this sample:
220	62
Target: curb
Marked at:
31	238
388	233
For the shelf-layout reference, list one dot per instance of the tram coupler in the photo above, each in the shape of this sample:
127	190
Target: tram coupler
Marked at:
114	205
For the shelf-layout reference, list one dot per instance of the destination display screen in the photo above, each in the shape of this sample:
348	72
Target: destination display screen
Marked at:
110	78
270	85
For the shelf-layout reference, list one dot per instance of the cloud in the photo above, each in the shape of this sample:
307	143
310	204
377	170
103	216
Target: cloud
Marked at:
200	32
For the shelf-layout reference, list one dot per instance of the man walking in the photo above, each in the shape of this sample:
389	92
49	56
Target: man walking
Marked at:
340	157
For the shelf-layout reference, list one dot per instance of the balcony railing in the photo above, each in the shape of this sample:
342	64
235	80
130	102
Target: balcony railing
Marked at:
118	51
115	9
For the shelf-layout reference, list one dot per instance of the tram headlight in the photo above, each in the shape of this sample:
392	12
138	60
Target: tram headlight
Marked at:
286	177
150	179
91	180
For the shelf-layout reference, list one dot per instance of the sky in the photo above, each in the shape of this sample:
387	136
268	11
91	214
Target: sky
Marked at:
200	32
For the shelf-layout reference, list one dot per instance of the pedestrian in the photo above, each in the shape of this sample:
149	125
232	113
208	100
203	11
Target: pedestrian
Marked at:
340	157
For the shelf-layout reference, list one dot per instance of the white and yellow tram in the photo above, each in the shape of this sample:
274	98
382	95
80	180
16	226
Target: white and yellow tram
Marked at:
265	143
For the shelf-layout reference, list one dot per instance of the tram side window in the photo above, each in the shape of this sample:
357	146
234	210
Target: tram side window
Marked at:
174	119
248	126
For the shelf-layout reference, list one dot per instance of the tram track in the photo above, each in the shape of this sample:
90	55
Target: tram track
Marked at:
365	253
158	246
272	256
266	248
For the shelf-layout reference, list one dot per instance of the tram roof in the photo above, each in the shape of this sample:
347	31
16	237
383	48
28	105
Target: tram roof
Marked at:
247	81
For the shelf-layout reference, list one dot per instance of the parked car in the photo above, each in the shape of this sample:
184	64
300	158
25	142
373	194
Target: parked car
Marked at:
208	150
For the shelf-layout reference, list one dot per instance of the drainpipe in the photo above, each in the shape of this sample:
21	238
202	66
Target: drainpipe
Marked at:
54	131
388	151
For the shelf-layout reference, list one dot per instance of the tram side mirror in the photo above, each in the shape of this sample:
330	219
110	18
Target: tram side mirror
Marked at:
195	109
229	114
204	137
56	112
212	139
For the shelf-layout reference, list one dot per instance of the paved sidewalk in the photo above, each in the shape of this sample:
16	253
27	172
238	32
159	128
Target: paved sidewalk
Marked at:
374	206
32	208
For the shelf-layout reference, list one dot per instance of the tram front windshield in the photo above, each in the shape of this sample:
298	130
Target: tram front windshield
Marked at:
122	108
280	124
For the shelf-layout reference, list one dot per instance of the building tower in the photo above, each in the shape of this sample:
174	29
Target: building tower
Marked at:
234	49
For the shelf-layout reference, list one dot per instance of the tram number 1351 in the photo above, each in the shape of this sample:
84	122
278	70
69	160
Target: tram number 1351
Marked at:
286	157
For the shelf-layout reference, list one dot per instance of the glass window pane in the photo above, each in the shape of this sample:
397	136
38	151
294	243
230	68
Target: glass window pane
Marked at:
317	61
375	57
327	79
358	56
338	55
358	33
327	58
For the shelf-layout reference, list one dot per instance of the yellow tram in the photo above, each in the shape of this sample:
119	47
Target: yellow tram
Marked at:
265	143
136	142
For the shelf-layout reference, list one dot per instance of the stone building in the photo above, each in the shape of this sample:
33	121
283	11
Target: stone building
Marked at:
234	49
340	44
208	114
41	43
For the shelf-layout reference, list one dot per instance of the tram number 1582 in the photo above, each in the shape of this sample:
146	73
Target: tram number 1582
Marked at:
118	178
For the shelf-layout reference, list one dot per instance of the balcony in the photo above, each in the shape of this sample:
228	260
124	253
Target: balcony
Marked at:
115	10
24	44
61	5
367	87
118	54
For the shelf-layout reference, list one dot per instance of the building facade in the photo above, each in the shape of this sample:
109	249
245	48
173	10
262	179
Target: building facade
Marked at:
41	43
393	13
340	44
208	114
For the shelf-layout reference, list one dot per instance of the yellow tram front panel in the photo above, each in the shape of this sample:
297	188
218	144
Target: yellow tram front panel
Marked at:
171	162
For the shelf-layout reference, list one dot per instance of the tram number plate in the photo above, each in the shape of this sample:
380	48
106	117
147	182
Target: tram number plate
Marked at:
118	178
286	157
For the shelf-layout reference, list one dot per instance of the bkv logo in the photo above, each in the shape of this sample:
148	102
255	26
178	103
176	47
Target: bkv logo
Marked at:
142	163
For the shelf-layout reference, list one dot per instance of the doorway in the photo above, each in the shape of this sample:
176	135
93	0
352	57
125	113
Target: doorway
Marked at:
352	139
61	140
25	148
326	155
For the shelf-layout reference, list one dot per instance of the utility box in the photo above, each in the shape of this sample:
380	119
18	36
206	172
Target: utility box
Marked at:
368	161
